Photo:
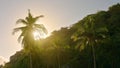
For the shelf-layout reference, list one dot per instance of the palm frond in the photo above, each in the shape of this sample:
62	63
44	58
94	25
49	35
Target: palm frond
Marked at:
41	26
21	35
21	21
18	29
37	17
29	18
29	14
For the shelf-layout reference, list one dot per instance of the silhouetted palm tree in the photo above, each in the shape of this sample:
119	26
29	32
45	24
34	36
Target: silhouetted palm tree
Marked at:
29	26
89	34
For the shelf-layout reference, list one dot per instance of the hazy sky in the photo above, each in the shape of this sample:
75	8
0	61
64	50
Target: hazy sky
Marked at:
58	13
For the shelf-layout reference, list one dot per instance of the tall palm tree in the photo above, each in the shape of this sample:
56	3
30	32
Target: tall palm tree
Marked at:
29	26
26	36
89	33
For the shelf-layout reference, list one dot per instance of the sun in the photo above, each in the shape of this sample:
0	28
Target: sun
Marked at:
39	35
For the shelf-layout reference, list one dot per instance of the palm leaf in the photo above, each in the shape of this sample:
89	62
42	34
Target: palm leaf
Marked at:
22	35
36	18
18	29
21	21
41	27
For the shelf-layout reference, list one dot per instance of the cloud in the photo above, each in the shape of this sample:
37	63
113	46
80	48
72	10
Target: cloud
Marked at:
3	60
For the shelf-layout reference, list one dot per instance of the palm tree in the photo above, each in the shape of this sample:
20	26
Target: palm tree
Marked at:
89	33
26	36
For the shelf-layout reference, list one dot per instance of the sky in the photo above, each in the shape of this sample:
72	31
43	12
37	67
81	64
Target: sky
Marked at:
57	14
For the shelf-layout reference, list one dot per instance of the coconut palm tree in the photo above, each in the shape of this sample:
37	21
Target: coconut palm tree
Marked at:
29	26
89	33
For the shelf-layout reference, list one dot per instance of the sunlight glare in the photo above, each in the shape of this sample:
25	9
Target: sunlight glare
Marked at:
39	35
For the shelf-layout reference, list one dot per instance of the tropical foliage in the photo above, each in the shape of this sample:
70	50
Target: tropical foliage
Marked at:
93	42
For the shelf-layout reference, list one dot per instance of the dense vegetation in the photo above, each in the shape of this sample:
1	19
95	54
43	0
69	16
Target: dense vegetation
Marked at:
93	42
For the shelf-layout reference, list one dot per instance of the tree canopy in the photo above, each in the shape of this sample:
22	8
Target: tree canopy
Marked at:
70	47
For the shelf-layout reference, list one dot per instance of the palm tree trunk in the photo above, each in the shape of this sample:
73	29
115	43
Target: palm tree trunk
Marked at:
30	60
47	66
94	57
58	60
